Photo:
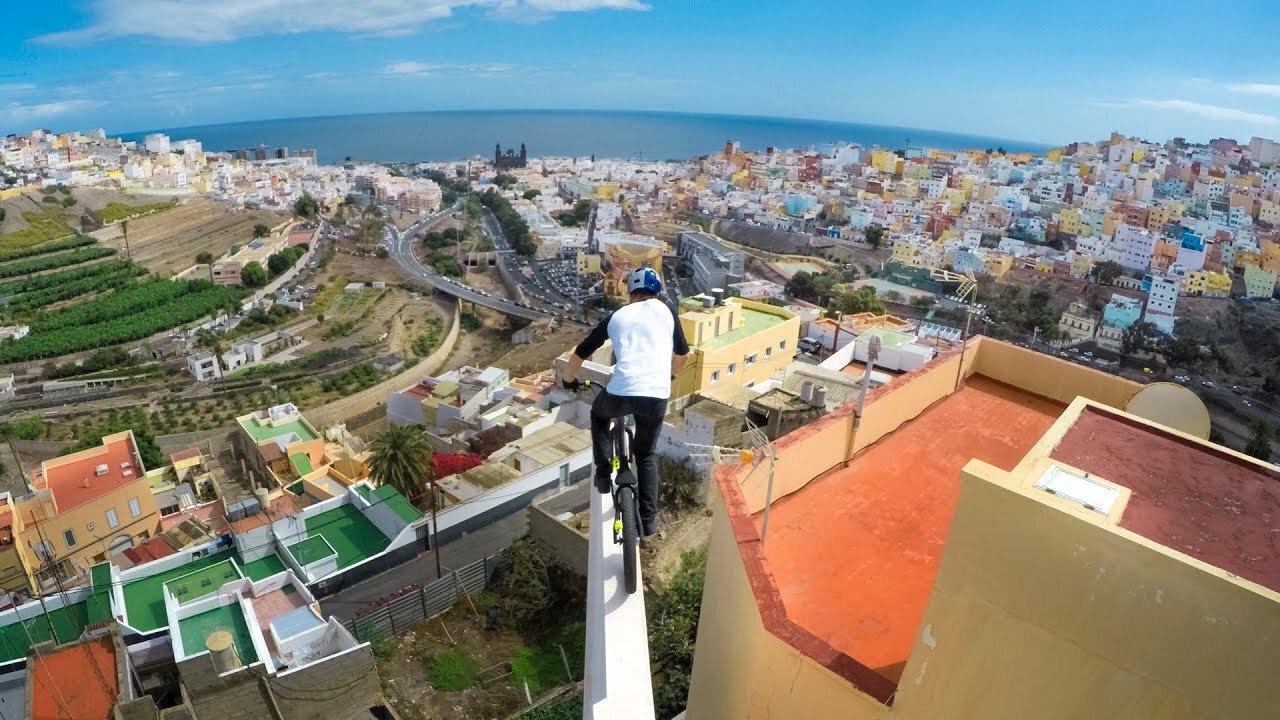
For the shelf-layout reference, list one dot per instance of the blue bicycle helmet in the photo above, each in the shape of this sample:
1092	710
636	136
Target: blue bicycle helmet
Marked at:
644	279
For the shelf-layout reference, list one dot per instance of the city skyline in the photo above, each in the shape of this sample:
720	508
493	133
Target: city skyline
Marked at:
1007	71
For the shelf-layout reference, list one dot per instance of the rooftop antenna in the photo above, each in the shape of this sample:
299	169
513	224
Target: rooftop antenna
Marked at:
759	449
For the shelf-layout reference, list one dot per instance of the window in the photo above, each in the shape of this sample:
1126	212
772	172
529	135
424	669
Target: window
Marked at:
69	537
564	475
782	344
44	549
768	352
715	376
135	507
733	367
112	519
751	360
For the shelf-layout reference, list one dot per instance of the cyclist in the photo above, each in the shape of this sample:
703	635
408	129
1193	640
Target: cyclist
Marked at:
649	349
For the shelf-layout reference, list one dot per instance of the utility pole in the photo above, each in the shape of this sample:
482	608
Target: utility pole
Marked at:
435	528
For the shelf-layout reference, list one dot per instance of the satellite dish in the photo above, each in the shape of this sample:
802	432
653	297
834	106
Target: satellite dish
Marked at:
1173	406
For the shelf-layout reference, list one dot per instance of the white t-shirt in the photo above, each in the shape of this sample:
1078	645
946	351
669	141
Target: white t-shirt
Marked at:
645	335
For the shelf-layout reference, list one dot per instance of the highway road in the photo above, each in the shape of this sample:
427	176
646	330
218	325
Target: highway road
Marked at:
400	247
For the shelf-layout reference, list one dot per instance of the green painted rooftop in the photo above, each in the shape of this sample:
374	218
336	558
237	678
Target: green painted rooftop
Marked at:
144	598
888	338
753	321
202	581
64	625
350	533
311	550
301	463
396	502
260	431
197	629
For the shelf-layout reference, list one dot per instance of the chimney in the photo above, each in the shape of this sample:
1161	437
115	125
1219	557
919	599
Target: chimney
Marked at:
820	396
806	391
708	301
718	294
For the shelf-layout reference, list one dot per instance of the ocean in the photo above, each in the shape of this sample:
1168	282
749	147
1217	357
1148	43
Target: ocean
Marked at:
456	135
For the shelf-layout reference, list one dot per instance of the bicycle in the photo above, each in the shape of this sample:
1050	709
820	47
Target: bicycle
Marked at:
626	501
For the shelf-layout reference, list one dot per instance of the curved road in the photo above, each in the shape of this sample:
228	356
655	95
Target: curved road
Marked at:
400	246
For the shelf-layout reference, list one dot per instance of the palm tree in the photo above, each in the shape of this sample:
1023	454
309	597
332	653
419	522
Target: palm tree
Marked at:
402	459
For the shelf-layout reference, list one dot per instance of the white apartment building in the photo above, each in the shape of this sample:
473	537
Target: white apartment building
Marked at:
1161	301
1136	246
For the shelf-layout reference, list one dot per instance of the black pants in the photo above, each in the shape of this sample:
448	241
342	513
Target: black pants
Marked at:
648	413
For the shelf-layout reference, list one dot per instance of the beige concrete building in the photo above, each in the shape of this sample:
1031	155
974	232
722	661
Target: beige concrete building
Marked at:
1012	546
734	341
1078	322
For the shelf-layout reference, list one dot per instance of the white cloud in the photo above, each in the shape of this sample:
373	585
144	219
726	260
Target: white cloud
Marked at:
213	21
412	68
1255	88
20	113
1213	112
15	88
320	75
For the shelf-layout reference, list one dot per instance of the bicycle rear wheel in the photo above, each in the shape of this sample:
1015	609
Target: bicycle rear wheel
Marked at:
630	536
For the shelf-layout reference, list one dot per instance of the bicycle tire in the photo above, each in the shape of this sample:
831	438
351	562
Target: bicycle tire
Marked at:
630	537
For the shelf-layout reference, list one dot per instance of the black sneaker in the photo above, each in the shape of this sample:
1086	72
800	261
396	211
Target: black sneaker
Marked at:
604	485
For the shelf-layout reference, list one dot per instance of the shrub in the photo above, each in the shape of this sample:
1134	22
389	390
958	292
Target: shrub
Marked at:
673	630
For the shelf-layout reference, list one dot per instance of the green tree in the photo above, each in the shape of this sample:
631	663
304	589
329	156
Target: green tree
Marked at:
1270	386
402	458
68	201
504	181
204	258
1259	445
278	263
253	275
528	195
307	207
875	235
673	630
861	300
1107	271
261	230
1139	337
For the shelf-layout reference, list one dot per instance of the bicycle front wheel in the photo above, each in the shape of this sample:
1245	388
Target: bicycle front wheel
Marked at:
630	536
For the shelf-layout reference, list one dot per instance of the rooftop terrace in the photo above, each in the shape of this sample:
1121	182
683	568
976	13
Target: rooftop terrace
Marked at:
197	628
1189	497
144	598
882	522
261	429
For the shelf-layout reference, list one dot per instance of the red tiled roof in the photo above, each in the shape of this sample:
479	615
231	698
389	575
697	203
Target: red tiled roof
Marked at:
187	454
152	549
80	681
74	479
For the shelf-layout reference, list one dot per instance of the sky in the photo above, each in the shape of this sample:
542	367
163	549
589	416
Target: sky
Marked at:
1042	72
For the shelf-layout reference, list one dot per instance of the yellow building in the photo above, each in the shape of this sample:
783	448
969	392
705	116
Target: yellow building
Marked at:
1110	221
88	506
1010	546
588	263
1208	283
1270	257
1159	215
1069	222
1269	212
1244	258
738	341
13	573
1044	266
886	162
1081	263
1259	283
997	264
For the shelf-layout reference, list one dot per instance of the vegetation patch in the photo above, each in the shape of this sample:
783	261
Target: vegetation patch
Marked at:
115	212
49	262
45	248
94	282
427	341
452	671
43	228
130	313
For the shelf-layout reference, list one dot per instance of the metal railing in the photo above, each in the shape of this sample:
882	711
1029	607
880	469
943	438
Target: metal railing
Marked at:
396	613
